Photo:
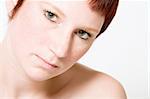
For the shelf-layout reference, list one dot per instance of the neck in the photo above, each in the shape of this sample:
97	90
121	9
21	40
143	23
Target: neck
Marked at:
17	84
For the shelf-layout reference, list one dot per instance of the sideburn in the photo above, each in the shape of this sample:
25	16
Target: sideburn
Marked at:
16	8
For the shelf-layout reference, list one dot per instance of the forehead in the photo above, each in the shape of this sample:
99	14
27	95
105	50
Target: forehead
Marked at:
72	7
75	5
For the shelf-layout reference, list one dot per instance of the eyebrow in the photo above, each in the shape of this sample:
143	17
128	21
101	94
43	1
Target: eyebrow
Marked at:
91	29
54	7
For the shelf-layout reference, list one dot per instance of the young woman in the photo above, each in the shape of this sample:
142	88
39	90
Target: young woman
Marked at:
44	41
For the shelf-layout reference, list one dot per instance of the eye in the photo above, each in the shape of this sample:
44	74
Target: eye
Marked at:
50	16
83	34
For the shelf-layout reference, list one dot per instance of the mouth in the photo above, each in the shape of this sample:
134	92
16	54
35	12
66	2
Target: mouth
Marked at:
46	62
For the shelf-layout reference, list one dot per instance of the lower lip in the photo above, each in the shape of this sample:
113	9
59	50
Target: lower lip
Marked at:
46	64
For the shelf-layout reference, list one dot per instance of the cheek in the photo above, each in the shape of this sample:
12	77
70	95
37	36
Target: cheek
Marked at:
78	52
27	31
22	39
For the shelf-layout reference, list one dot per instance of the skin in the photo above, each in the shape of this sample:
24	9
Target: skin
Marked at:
33	36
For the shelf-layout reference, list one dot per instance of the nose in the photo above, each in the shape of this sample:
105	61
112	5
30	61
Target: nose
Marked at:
62	43
63	48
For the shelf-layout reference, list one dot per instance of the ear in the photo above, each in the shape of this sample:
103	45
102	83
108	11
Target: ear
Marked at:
10	4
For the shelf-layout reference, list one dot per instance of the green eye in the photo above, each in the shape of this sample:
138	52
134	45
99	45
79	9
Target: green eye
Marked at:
83	34
50	16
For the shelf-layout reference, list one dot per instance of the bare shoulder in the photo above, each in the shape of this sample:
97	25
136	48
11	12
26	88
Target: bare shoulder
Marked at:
100	84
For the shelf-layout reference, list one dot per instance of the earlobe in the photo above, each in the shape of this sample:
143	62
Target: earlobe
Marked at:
10	4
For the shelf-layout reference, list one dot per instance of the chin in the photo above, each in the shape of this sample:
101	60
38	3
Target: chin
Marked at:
35	72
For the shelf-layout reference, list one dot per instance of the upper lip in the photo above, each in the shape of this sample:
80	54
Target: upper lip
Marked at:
47	61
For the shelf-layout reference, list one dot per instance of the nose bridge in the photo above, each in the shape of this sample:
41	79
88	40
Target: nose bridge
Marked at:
64	43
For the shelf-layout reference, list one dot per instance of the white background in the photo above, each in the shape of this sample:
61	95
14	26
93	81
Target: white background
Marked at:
122	51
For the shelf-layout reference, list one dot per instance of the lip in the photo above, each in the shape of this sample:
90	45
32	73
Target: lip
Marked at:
47	63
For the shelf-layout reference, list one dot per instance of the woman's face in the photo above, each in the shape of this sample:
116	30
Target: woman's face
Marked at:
45	33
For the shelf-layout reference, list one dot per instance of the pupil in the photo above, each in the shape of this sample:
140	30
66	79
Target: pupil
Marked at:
81	32
50	14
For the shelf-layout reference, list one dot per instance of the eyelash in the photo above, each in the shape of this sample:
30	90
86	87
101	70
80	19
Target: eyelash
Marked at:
80	33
